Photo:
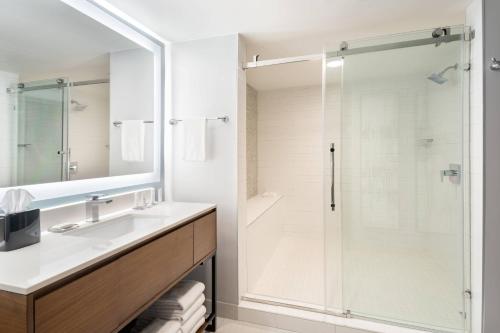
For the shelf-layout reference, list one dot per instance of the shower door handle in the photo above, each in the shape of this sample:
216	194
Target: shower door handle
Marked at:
332	187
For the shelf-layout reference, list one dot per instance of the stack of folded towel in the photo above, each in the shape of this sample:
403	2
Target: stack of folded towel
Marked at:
180	310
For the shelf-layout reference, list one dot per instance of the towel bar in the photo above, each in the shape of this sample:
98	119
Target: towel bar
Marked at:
118	123
224	119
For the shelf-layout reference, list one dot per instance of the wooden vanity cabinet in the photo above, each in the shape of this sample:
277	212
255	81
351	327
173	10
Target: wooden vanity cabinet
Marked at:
108	295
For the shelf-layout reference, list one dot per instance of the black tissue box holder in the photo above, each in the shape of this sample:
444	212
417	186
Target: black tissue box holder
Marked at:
18	230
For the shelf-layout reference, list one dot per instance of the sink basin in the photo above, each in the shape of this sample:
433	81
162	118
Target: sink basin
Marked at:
118	227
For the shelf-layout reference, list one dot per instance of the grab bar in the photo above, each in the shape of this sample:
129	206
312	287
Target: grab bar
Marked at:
332	188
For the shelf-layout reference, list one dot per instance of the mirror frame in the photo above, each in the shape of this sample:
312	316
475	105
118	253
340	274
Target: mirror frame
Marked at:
109	16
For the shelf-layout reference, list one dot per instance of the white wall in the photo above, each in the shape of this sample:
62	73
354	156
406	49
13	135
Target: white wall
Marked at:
131	97
289	136
251	141
206	83
88	135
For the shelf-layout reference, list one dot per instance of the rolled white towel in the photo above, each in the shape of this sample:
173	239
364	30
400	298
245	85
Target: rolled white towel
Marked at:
183	295
198	325
188	326
158	311
162	326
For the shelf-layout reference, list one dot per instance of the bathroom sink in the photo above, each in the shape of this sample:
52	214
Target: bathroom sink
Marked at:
118	227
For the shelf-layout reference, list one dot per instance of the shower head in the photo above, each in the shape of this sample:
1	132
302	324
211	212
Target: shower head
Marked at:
77	106
439	77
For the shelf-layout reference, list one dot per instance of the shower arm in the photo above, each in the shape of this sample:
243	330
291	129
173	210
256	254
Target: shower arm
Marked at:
447	69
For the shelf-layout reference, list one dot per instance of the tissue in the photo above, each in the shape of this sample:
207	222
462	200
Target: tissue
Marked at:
15	201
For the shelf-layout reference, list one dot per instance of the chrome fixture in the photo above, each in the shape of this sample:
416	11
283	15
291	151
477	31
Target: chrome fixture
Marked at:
92	206
440	32
495	64
225	119
332	187
400	45
73	167
453	173
77	106
119	123
59	84
281	61
438	77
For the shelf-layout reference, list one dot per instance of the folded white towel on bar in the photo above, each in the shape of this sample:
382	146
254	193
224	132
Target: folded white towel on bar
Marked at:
132	140
194	139
198	325
182	296
191	323
162	326
167	312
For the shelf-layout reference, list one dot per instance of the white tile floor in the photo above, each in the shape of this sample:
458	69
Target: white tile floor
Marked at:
231	326
393	285
295	271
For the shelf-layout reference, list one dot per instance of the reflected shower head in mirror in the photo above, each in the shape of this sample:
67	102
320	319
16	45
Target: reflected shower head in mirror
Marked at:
439	77
77	106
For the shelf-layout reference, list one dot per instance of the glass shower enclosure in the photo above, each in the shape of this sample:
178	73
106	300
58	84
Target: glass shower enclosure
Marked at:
41	120
390	241
396	240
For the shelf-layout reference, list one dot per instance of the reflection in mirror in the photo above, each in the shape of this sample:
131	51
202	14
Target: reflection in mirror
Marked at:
76	98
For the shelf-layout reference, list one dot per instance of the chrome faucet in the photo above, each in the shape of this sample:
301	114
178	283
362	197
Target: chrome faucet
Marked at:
92	206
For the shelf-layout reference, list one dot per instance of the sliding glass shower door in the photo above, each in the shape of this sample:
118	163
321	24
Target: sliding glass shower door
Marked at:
399	220
41	132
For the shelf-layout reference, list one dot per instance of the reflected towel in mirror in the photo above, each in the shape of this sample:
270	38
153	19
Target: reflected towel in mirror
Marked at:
132	140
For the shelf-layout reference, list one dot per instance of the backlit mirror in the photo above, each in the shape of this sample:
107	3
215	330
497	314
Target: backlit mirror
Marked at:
76	98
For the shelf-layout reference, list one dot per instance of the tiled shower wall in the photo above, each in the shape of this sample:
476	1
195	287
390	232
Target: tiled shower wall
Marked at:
251	147
289	139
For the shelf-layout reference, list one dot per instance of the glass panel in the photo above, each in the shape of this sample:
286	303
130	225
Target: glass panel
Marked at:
402	193
40	132
284	231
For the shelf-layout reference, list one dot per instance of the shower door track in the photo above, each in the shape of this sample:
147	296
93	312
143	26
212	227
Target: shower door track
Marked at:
401	45
345	315
58	85
346	51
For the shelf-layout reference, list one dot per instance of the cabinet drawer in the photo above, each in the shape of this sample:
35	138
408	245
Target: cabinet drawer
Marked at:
84	305
205	236
109	296
147	271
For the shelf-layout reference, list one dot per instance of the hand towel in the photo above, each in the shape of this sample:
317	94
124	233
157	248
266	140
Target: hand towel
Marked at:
167	312
183	295
132	139
194	139
189	325
198	325
162	326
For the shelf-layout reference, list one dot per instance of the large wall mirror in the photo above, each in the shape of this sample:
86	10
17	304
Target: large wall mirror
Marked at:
78	100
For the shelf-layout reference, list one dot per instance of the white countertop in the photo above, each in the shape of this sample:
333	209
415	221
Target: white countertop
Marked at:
26	270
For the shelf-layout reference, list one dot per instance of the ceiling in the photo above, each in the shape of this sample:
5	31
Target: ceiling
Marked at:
47	36
284	28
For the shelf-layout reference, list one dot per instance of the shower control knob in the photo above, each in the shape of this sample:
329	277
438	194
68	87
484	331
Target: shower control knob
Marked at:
495	64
